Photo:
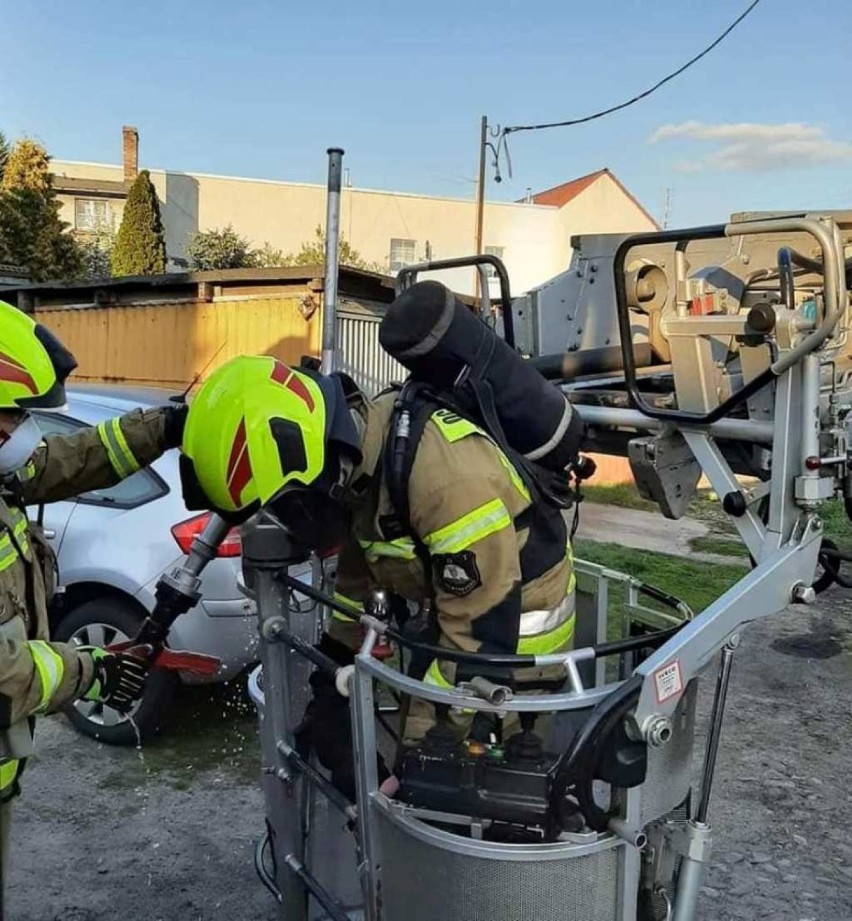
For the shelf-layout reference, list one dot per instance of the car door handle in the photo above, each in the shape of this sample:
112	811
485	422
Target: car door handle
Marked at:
49	534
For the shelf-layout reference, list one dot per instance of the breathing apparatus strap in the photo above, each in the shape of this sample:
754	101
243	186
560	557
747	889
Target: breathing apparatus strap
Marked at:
412	410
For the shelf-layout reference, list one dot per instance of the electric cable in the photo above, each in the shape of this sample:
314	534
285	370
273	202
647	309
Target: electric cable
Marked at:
643	95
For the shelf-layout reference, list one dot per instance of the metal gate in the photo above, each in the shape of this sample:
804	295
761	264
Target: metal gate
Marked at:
363	359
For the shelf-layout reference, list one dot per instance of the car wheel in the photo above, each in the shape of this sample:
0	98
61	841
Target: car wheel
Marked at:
101	622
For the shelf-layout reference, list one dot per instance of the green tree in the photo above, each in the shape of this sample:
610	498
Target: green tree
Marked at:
27	167
5	150
96	248
140	246
268	257
313	253
220	248
33	237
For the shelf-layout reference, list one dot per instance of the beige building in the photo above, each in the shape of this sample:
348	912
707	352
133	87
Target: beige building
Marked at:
390	229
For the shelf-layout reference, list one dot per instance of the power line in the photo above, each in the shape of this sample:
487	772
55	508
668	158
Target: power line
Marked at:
646	93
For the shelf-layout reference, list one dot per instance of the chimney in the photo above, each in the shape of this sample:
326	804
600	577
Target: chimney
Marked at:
130	153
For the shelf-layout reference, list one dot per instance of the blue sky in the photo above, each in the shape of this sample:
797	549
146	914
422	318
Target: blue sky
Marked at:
262	88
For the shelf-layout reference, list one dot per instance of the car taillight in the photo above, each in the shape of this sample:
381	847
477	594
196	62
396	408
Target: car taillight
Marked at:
184	531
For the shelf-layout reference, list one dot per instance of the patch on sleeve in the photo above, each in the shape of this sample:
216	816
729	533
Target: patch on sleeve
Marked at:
457	573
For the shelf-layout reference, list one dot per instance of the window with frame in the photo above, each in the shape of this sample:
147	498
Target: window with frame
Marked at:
137	489
92	214
497	251
402	253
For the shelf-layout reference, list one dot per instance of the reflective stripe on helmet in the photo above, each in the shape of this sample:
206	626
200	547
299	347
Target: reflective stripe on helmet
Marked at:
50	668
255	427
120	456
27	373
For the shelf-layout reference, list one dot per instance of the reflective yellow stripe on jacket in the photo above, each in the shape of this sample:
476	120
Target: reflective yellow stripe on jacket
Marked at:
50	668
400	549
454	427
8	772
460	534
120	456
8	552
544	632
352	603
435	677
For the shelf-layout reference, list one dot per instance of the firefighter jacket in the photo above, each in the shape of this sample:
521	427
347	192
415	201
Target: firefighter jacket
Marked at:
499	571
36	675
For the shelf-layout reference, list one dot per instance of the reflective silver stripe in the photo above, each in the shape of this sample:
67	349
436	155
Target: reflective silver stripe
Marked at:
535	622
554	440
50	668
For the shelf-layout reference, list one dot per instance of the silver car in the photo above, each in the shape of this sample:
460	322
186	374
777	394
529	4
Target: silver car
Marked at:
112	546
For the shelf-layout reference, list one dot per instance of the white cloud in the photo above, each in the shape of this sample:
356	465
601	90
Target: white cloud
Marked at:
756	147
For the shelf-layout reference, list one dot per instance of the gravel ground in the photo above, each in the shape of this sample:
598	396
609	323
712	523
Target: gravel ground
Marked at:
105	834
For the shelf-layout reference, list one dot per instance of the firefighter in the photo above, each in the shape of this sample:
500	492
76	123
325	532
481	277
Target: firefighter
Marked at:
36	675
494	565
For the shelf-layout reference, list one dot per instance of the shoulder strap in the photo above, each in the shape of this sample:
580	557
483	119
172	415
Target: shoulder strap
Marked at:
412	409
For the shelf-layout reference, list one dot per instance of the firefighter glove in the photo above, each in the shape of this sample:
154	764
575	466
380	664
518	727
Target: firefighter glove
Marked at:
174	421
119	678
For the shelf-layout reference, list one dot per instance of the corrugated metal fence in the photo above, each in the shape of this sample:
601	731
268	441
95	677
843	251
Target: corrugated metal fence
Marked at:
364	359
168	344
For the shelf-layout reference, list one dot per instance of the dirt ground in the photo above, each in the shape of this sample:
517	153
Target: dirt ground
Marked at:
102	834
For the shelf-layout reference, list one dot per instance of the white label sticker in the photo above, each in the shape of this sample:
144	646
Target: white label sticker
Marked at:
669	681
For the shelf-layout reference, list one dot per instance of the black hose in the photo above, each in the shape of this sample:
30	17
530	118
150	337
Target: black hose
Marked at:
324	663
830	558
785	275
578	763
260	868
496	660
643	641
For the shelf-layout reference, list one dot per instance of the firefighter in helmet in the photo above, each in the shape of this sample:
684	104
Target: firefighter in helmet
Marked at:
36	675
494	567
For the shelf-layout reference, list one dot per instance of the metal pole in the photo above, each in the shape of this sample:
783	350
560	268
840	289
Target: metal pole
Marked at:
716	727
480	195
697	832
266	553
698	842
332	247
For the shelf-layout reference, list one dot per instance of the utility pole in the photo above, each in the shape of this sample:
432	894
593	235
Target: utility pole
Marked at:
667	208
480	194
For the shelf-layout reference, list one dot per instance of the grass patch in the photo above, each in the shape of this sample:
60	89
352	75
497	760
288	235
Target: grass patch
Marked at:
624	495
836	523
718	545
695	582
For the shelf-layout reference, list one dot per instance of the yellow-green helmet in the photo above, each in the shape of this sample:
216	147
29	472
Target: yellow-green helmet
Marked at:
257	429
33	363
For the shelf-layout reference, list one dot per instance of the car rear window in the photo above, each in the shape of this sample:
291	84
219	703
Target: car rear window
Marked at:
139	488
